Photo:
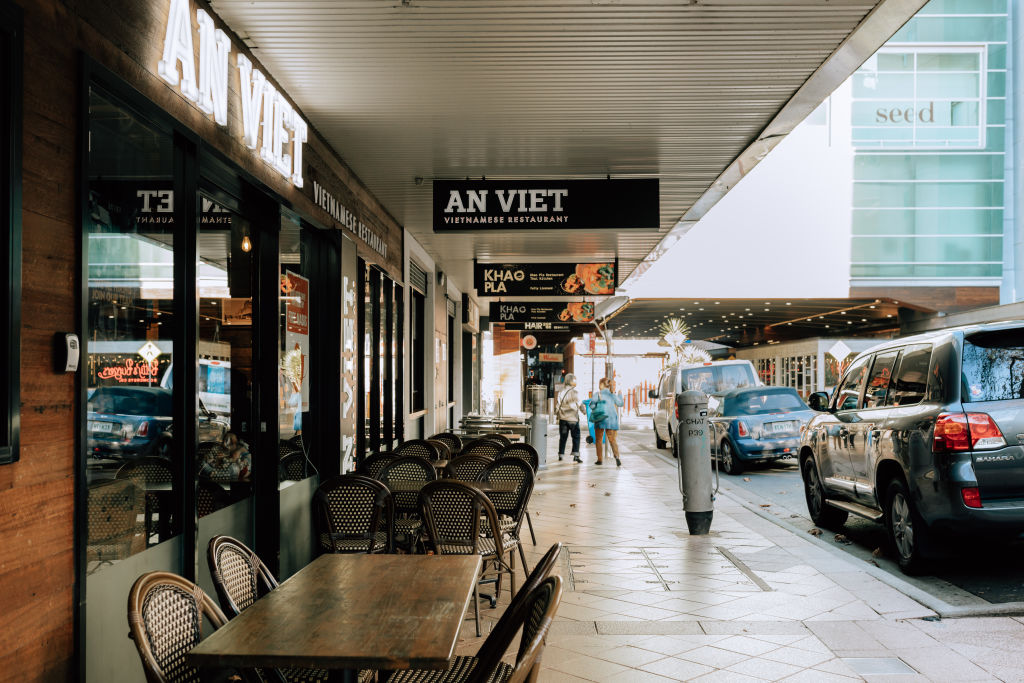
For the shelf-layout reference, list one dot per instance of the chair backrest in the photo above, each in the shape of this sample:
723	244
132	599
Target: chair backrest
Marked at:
372	466
451	512
419	447
298	443
497	438
210	497
410	468
466	467
520	473
239	575
285	448
114	509
453	441
523	451
532	610
292	467
443	452
482	446
348	510
165	613
151	469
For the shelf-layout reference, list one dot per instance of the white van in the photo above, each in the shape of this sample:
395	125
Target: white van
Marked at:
711	377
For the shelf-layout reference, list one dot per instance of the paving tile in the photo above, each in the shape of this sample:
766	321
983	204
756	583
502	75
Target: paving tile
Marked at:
713	656
649	627
726	677
636	676
590	668
765	669
755	627
629	655
797	657
677	669
746	645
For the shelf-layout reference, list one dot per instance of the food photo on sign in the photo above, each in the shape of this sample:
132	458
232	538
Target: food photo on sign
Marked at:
591	278
578	312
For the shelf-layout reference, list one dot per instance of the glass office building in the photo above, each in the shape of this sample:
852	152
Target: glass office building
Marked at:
933	158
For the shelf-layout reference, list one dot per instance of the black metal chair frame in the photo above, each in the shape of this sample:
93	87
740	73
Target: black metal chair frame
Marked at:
407	502
372	465
382	515
418	447
479	462
531	456
453	441
511	504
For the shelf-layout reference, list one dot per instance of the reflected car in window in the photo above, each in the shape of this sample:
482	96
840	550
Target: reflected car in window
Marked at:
756	424
130	422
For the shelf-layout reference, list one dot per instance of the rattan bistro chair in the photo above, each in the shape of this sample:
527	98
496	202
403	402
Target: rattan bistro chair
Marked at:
497	438
523	451
354	514
482	446
410	469
165	615
372	466
511	507
466	467
419	447
453	441
148	473
453	513
241	578
443	452
115	532
532	611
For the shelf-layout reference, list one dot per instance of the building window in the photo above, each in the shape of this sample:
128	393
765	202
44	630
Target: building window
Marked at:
10	228
921	98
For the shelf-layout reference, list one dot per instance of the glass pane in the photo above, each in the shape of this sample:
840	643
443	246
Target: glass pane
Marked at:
224	368
993	365
878	383
132	500
849	392
294	368
912	376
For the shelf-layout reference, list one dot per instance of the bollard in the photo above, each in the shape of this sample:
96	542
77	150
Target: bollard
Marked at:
694	447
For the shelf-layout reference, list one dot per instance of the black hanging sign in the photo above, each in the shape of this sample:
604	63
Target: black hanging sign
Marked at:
544	279
547	204
547	312
538	327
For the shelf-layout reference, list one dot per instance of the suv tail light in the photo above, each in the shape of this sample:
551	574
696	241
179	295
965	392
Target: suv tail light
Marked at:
143	429
971	496
677	411
741	428
966	431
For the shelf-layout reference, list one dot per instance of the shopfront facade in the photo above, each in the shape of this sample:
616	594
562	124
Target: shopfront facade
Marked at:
236	295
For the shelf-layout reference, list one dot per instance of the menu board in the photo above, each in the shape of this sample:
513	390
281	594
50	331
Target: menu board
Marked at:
569	312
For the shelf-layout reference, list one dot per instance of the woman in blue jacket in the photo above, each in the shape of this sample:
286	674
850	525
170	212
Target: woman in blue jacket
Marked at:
609	426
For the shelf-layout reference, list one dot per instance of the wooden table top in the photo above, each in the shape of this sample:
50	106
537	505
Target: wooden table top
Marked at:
352	612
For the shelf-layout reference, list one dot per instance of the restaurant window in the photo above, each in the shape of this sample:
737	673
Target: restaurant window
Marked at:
10	228
129	264
450	343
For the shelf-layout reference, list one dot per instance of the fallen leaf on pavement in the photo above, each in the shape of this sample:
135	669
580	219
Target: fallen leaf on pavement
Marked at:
572	505
650	537
766	505
746	478
814	532
840	538
874	563
794	515
592	485
607	493
877	552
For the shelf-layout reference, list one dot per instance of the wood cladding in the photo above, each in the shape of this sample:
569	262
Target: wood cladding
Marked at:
939	299
505	341
37	568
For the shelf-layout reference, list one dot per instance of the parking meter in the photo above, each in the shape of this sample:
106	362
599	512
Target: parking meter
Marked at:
694	449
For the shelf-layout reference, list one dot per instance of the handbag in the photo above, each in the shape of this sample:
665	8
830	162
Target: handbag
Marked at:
597	411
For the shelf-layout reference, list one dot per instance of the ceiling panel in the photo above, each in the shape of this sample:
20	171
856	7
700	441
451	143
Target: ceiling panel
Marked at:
563	89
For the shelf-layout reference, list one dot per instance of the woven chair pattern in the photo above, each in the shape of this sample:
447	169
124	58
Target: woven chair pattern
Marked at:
236	572
146	472
285	448
113	516
460	670
373	465
519	473
543	603
484	447
292	467
210	497
173	627
455	518
419	447
523	451
497	438
453	441
352	508
443	452
410	469
466	467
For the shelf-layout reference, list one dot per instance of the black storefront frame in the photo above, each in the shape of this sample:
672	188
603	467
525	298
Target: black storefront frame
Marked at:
200	168
11	48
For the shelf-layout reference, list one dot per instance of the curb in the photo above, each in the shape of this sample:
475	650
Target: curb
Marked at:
944	609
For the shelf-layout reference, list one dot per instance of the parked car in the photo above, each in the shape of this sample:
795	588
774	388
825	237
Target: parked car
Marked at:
926	435
756	424
129	422
710	377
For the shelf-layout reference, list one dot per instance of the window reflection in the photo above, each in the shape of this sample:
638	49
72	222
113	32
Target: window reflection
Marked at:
294	367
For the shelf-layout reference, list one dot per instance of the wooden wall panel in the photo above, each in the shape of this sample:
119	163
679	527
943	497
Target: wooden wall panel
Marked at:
946	299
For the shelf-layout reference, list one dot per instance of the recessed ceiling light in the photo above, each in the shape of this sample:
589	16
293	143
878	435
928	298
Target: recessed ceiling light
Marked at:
863	320
870	306
788	303
826	325
767	309
717	302
700	309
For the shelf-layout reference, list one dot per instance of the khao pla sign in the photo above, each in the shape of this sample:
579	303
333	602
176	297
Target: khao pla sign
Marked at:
546	204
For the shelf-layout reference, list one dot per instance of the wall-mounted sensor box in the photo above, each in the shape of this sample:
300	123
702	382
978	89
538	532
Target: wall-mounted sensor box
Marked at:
66	352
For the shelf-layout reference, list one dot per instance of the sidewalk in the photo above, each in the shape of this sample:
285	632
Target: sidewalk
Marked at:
645	601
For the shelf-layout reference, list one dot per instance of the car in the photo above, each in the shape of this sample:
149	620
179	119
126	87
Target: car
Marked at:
126	422
756	424
926	435
710	377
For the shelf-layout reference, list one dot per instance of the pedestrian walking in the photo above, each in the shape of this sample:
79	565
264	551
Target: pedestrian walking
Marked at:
606	416
568	411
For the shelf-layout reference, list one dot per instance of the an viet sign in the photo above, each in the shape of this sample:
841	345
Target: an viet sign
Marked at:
544	279
547	312
550	204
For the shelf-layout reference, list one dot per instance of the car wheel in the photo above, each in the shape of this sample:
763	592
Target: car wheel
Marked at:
906	530
658	441
820	511
730	463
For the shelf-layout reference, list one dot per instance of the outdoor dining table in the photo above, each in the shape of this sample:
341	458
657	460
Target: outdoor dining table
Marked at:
350	612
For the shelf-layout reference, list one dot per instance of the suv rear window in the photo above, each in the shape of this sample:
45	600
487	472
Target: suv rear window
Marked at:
715	379
911	377
993	366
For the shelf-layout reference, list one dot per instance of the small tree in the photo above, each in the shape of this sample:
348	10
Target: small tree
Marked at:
674	333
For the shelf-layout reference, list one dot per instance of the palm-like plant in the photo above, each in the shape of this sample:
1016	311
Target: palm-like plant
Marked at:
674	333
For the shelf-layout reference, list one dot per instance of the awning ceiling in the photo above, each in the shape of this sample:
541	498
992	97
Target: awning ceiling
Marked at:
693	93
744	322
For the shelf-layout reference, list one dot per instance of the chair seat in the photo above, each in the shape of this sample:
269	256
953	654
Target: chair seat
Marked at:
505	523
485	546
407	525
380	543
460	670
305	675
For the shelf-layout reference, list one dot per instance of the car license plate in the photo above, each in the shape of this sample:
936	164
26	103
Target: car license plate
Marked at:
781	427
106	427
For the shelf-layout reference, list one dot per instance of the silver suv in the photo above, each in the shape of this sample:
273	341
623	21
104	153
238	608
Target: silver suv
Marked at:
926	435
712	377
